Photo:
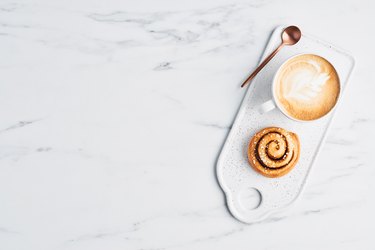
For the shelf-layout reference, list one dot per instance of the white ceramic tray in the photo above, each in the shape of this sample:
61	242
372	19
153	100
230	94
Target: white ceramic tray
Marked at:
250	196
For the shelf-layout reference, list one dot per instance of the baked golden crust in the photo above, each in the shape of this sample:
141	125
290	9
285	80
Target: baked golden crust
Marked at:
273	152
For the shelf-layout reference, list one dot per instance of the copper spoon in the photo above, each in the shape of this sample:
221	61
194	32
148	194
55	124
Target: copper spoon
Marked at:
290	36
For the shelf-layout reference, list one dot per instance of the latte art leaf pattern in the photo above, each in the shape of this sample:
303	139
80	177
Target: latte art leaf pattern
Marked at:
273	152
306	84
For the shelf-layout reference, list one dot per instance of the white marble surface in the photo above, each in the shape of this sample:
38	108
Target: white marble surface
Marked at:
113	114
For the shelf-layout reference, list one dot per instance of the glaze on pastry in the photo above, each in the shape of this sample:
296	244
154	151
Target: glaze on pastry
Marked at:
273	152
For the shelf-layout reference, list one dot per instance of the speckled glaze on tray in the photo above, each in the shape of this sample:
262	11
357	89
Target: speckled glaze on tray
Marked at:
237	179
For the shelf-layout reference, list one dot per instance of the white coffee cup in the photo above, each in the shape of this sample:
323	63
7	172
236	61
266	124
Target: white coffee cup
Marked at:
274	102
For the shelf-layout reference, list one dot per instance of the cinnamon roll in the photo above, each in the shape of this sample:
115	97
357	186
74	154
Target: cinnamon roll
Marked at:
273	152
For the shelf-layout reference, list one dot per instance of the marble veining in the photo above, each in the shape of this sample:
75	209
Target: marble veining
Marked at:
113	114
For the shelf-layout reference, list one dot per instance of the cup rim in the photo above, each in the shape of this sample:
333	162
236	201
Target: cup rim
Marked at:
279	106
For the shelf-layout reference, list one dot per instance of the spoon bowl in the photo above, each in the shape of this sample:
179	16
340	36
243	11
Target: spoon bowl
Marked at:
291	35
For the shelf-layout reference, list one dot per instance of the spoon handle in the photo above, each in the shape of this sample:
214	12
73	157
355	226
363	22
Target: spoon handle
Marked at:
261	66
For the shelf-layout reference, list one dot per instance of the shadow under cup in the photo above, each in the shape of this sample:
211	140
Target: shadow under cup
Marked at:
306	87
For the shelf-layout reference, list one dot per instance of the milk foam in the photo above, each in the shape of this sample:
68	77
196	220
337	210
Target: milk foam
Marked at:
305	83
307	87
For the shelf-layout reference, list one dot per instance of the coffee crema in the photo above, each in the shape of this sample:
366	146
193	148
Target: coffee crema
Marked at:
307	87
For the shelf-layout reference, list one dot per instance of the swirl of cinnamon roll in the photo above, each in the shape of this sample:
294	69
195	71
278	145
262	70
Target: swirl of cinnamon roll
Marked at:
273	152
